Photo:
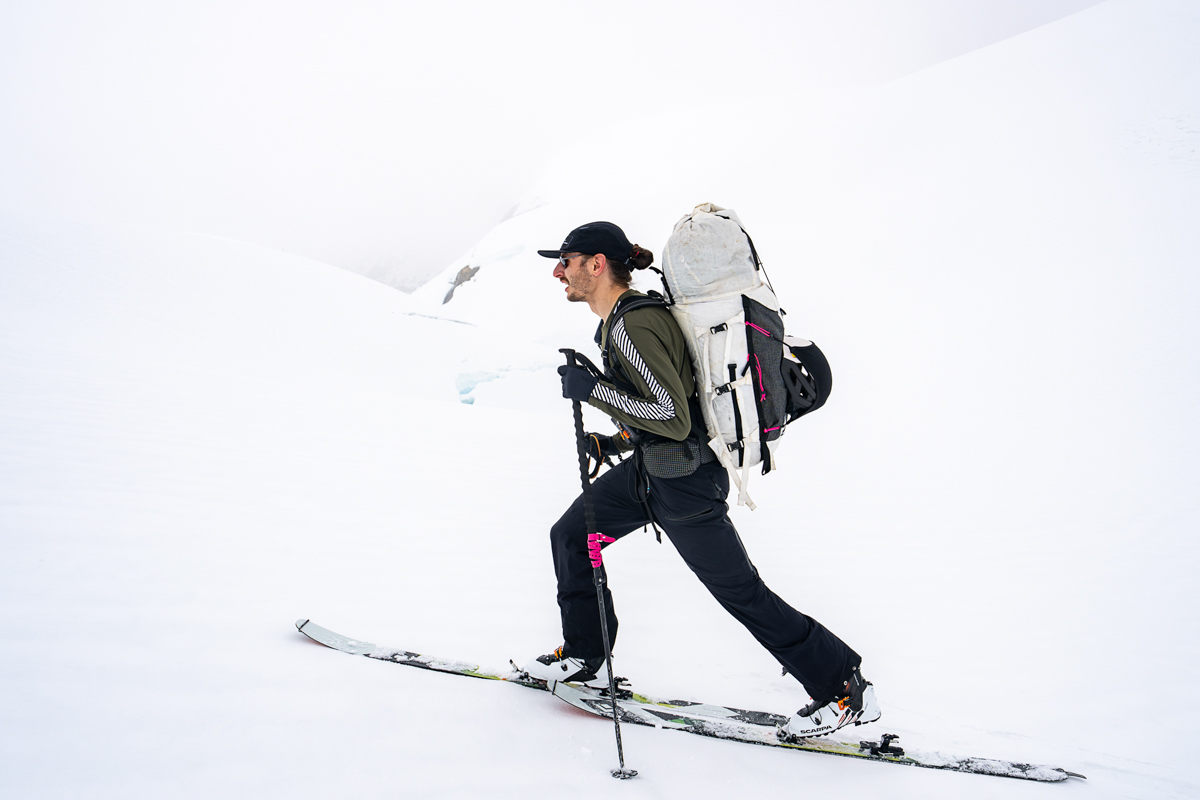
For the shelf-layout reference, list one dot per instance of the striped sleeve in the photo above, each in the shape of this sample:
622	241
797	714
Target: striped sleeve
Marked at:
660	407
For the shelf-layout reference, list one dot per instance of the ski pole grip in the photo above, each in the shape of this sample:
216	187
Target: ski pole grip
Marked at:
570	354
594	542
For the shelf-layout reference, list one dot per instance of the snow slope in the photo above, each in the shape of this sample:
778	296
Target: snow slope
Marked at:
204	441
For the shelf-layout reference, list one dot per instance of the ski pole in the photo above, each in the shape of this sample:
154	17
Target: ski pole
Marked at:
594	541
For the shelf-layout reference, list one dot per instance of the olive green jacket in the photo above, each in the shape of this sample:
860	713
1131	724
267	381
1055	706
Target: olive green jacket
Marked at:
652	352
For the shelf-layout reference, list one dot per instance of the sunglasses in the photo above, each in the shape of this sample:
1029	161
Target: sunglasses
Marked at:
563	261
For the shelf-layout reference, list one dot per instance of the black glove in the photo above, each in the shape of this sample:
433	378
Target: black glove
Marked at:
599	446
577	382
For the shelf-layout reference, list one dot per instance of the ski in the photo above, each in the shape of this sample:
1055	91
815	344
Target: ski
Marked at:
360	648
721	722
764	729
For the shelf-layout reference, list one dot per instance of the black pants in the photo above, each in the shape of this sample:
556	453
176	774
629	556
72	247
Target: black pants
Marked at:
692	512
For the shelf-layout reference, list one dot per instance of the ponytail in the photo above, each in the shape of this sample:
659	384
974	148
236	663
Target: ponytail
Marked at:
638	258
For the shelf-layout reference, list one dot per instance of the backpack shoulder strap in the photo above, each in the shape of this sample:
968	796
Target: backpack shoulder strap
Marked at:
653	299
622	381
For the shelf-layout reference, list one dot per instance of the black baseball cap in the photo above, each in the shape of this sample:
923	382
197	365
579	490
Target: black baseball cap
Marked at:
592	238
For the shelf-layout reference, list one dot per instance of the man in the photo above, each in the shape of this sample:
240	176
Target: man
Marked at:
675	481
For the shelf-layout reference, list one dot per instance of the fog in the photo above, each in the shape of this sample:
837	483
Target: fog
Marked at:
386	138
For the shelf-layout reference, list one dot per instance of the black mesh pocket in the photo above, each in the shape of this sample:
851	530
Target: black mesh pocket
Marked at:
669	459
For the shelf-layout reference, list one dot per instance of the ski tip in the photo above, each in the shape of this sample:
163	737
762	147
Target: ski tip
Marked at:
300	623
1075	775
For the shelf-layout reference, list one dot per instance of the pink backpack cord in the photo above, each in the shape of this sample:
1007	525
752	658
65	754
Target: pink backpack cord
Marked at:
594	541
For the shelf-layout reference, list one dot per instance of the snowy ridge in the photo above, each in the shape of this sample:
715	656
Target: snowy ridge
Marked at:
996	508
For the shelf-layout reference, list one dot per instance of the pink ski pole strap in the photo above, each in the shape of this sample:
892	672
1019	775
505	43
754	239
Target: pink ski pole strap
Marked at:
594	540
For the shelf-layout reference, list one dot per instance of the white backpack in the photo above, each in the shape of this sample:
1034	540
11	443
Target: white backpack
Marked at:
752	381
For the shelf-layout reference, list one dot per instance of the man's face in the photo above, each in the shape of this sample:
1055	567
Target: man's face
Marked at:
572	269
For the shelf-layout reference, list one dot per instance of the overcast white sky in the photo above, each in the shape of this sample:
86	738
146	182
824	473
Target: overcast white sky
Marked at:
391	136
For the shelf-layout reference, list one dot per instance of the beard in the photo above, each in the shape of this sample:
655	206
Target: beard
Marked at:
580	287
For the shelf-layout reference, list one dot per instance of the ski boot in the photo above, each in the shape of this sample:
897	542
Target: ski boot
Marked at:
567	669
854	704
